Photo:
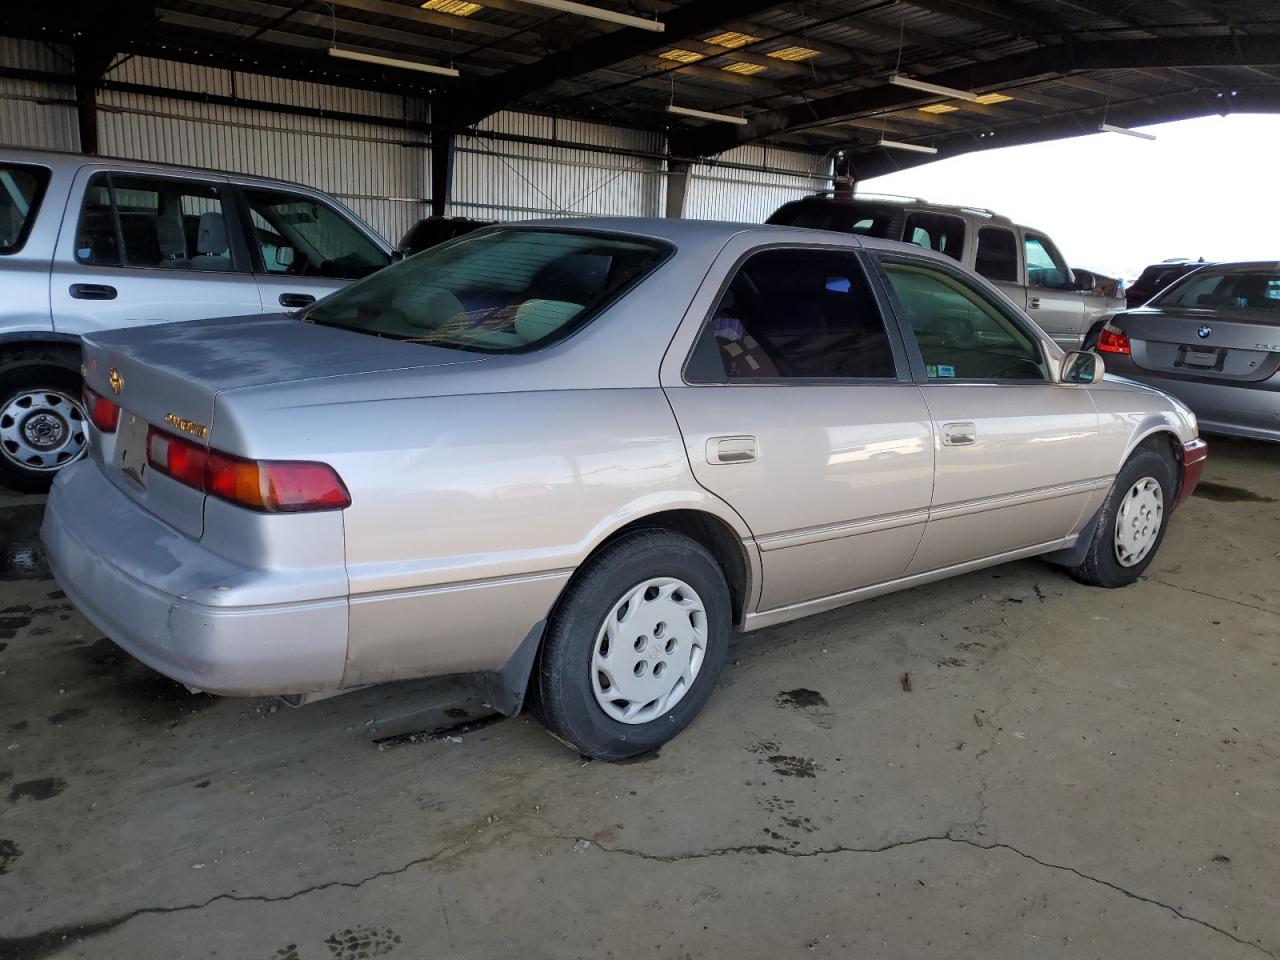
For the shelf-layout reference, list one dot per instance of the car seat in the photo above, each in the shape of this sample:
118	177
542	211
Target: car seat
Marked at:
211	243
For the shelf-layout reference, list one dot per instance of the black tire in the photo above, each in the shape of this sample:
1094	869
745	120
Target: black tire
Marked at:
1101	566
34	370
562	695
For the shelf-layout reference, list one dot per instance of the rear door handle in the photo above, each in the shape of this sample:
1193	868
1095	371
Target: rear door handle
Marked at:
92	291
959	434
296	299
732	450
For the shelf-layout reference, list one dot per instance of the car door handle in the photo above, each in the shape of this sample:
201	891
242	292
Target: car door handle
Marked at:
92	291
959	434
1033	303
732	450
296	299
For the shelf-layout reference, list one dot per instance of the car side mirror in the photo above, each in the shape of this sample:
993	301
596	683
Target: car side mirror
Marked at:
1085	280
1081	366
284	256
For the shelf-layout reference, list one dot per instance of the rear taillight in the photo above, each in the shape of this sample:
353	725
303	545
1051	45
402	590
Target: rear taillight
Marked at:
103	413
1111	340
269	486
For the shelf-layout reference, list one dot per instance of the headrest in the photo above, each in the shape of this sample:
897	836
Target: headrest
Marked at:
427	307
173	240
536	319
212	238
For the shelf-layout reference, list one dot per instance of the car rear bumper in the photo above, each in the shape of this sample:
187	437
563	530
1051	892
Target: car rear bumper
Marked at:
133	577
1194	455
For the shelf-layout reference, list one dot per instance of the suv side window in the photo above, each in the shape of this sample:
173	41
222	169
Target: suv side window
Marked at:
795	314
138	221
298	236
935	231
21	190
961	333
1045	266
997	257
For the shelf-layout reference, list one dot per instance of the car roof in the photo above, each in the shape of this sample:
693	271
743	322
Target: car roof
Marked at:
888	199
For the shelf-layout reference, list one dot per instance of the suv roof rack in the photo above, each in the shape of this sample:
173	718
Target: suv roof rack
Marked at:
872	195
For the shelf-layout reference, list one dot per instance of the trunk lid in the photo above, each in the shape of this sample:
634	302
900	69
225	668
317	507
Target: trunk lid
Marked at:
169	376
1216	344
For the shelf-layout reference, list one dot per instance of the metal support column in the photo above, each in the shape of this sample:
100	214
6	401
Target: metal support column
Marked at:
442	151
679	173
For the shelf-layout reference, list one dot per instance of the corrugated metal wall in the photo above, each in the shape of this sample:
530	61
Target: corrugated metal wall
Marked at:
34	113
381	171
717	192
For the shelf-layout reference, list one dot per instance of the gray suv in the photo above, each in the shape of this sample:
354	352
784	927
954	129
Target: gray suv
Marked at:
90	243
1023	262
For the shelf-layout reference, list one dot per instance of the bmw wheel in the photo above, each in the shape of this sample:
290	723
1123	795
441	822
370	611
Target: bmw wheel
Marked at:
634	647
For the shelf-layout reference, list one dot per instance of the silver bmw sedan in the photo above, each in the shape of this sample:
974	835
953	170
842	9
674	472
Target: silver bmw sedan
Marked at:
573	458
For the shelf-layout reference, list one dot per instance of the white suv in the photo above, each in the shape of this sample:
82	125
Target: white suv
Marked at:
90	243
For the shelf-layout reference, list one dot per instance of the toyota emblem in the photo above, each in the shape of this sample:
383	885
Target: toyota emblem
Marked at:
1204	331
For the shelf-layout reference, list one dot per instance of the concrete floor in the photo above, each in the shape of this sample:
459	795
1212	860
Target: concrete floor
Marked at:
1003	765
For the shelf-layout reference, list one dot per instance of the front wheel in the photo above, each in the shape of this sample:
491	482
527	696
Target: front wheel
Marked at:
1131	524
634	647
42	425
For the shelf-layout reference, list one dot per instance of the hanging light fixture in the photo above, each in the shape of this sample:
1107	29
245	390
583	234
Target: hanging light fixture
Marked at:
381	61
911	147
706	115
595	13
924	86
1112	128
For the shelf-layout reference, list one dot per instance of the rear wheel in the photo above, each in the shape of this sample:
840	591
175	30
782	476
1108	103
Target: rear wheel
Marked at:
634	647
1131	524
42	424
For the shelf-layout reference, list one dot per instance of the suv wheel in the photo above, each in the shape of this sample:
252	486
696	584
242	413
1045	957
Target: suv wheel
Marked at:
634	647
42	424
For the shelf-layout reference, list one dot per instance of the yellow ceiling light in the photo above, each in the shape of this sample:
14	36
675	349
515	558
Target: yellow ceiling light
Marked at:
793	53
459	8
682	56
746	69
990	98
938	108
731	39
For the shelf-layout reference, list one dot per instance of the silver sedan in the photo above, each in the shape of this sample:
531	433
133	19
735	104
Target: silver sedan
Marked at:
1213	341
575	458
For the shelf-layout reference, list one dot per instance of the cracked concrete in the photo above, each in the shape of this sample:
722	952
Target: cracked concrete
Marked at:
1074	773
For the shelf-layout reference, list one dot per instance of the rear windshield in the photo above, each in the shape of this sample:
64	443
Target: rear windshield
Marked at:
21	188
501	290
863	218
1235	289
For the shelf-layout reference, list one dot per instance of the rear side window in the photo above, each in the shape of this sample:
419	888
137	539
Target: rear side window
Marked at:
21	190
935	231
997	257
795	314
132	221
301	237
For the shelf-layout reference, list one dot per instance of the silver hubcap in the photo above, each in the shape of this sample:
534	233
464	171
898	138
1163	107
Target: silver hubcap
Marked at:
649	650
1138	521
42	429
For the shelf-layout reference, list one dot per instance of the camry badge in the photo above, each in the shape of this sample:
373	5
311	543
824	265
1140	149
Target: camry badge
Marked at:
115	381
1204	331
198	430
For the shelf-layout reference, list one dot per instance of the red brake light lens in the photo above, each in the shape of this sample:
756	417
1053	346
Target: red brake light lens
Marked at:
103	413
1111	340
269	486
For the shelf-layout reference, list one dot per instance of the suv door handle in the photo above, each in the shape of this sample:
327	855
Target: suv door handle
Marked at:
1033	303
296	299
959	434
732	450
92	291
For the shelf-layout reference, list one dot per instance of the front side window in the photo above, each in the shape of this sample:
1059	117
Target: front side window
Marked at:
495	291
997	256
132	221
21	190
301	237
962	335
1256	289
1045	266
936	231
793	313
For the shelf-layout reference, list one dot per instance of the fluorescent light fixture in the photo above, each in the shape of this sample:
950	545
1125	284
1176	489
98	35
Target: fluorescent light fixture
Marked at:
746	69
899	145
993	98
1112	128
595	13
680	55
459	8
793	54
731	39
924	87
391	62
706	115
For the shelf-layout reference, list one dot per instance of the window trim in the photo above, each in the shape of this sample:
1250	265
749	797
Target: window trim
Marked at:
43	176
230	213
256	264
1048	245
1001	304
897	348
1019	256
